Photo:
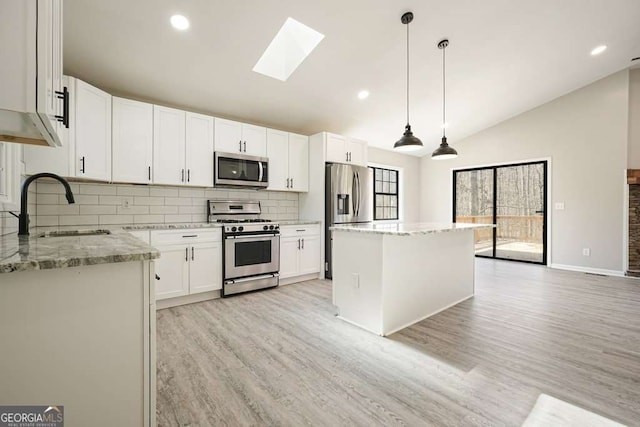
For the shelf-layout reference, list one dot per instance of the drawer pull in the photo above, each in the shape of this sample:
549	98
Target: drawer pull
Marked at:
190	235
299	231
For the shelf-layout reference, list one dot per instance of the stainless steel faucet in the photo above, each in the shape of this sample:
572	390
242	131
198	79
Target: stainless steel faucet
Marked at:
23	218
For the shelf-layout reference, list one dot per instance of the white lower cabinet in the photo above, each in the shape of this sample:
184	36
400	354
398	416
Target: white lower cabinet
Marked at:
190	261
299	250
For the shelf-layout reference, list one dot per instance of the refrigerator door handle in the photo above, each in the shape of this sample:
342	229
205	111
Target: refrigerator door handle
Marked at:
359	193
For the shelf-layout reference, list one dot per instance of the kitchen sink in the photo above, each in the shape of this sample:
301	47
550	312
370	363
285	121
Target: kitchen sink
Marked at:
74	233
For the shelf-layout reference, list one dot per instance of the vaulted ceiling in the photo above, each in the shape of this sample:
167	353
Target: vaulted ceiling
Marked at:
505	57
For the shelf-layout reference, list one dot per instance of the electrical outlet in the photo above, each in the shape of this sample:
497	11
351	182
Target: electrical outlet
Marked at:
355	280
559	206
126	202
586	252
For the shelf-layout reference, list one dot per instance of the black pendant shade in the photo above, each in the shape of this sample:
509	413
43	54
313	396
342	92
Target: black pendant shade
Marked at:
444	151
408	142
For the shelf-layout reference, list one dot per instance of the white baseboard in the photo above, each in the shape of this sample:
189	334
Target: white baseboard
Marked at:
602	271
187	299
297	279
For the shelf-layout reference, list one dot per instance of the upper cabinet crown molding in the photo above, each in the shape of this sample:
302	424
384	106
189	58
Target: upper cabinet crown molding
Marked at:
34	107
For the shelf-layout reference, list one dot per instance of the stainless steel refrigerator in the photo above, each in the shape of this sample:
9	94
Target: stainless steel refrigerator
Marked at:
348	200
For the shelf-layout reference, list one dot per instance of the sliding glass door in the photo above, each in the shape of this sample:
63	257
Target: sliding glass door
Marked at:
514	198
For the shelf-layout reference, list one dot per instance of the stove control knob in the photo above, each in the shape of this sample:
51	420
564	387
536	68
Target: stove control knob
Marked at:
271	227
266	227
277	227
233	228
240	228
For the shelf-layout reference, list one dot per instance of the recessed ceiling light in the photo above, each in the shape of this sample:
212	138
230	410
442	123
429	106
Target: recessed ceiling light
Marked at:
179	22
363	94
598	50
293	43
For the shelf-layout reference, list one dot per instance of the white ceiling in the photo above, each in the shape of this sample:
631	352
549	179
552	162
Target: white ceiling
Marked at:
505	57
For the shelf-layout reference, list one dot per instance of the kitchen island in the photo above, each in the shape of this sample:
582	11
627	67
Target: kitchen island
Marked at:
389	276
77	325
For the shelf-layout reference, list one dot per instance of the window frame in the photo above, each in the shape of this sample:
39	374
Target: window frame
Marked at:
397	194
10	175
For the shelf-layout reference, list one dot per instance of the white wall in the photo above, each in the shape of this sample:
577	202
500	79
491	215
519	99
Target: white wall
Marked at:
584	133
633	160
410	185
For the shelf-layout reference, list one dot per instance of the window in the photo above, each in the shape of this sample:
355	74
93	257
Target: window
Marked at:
385	194
9	176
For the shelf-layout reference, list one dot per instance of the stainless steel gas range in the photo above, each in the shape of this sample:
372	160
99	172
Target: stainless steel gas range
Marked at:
251	249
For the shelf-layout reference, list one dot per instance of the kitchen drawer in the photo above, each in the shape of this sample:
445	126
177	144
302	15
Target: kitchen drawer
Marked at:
193	235
300	230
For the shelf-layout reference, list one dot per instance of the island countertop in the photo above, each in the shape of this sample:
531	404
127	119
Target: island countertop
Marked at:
34	252
408	229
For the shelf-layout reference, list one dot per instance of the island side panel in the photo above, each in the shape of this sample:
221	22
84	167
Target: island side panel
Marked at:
357	275
74	337
425	274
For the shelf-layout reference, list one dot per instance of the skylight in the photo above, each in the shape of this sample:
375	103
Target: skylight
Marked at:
293	43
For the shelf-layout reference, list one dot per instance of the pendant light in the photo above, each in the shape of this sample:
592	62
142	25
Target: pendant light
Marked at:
444	151
408	142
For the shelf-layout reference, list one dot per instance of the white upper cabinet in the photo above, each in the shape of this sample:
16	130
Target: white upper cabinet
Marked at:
236	137
288	161
91	132
340	149
33	100
132	138
298	162
168	146
199	150
278	153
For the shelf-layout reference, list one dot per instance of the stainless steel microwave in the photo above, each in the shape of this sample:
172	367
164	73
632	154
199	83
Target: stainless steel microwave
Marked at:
240	170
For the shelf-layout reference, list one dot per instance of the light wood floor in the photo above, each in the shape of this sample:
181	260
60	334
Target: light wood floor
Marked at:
280	357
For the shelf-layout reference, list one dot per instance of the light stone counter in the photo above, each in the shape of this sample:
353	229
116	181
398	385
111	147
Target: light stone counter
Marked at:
171	226
409	229
34	252
298	222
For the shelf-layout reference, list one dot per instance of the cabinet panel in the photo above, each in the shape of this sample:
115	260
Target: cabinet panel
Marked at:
278	153
336	149
173	269
199	150
132	138
298	162
357	151
168	146
254	140
228	136
205	267
92	132
289	254
309	255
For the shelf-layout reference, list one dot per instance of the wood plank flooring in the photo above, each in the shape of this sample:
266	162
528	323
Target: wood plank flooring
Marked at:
280	357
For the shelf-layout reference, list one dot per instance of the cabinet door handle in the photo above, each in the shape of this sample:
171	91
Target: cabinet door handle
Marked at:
302	243
186	254
64	118
82	169
188	175
287	182
347	154
192	253
245	146
291	182
298	244
157	277
182	179
149	173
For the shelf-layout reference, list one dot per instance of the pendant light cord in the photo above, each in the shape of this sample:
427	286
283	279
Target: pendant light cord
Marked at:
444	102
407	74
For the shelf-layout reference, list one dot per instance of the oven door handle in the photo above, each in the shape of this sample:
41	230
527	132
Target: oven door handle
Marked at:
252	236
251	279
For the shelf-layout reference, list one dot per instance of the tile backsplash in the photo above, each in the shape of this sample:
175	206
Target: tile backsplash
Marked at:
109	204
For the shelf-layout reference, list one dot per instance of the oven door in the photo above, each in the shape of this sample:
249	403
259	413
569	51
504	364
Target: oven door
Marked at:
250	255
240	170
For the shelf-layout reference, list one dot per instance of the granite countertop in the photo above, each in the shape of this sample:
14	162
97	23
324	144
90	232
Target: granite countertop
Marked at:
298	222
34	252
171	226
409	229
